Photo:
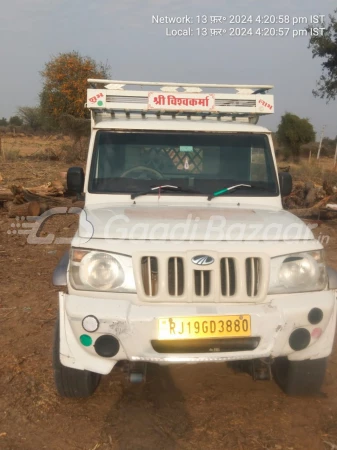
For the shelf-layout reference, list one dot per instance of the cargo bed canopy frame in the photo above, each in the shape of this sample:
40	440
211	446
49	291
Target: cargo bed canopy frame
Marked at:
107	98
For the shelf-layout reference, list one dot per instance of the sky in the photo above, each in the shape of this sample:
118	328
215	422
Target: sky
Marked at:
124	35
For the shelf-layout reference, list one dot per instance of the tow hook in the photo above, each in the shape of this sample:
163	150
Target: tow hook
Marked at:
258	369
261	369
136	372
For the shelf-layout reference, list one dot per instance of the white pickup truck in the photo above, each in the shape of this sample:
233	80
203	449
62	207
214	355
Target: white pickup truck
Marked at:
184	253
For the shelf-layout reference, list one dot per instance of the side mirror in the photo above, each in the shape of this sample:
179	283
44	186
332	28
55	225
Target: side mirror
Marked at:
75	180
286	183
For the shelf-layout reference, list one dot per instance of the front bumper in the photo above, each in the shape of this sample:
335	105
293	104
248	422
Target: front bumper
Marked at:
136	325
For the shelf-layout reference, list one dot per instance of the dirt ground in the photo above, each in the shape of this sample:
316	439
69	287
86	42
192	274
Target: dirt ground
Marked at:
180	407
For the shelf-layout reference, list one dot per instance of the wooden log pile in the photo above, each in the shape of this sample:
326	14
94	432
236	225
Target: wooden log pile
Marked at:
21	201
308	200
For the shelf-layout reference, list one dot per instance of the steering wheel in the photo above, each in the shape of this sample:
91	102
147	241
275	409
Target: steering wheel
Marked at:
140	170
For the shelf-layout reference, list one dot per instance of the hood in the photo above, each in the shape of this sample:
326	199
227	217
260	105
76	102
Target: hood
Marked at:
191	223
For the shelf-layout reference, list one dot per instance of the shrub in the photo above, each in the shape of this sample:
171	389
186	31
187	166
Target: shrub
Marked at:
15	121
77	151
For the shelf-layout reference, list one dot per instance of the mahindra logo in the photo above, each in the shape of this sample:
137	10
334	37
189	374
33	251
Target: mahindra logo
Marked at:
202	260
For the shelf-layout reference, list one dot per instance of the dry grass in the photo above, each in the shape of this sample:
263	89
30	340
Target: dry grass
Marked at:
316	171
42	148
10	155
30	145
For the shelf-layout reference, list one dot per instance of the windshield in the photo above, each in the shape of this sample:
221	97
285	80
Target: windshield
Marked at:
127	162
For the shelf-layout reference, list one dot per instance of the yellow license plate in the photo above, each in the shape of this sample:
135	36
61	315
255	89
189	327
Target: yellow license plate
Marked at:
204	327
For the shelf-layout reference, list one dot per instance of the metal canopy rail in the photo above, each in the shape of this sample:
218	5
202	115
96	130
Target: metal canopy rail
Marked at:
189	100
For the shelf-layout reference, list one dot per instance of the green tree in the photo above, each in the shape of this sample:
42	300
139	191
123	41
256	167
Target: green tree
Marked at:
65	83
31	116
293	132
3	122
16	121
325	47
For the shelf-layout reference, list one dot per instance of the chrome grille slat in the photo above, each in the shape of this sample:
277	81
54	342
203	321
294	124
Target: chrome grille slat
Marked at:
252	283
202	282
228	277
149	271
149	275
253	273
258	276
175	276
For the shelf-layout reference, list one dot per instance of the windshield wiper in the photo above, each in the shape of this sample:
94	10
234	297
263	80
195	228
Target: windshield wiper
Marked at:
166	187
234	188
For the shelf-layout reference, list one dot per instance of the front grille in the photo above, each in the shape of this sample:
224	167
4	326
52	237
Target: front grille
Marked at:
253	272
176	278
205	345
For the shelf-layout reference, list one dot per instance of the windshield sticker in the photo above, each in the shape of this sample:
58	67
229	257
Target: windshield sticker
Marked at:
186	148
186	164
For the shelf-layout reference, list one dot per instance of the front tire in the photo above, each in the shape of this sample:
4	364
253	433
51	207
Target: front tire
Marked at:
299	377
71	382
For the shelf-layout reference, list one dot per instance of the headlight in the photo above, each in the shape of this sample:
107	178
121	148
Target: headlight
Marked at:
299	272
92	270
